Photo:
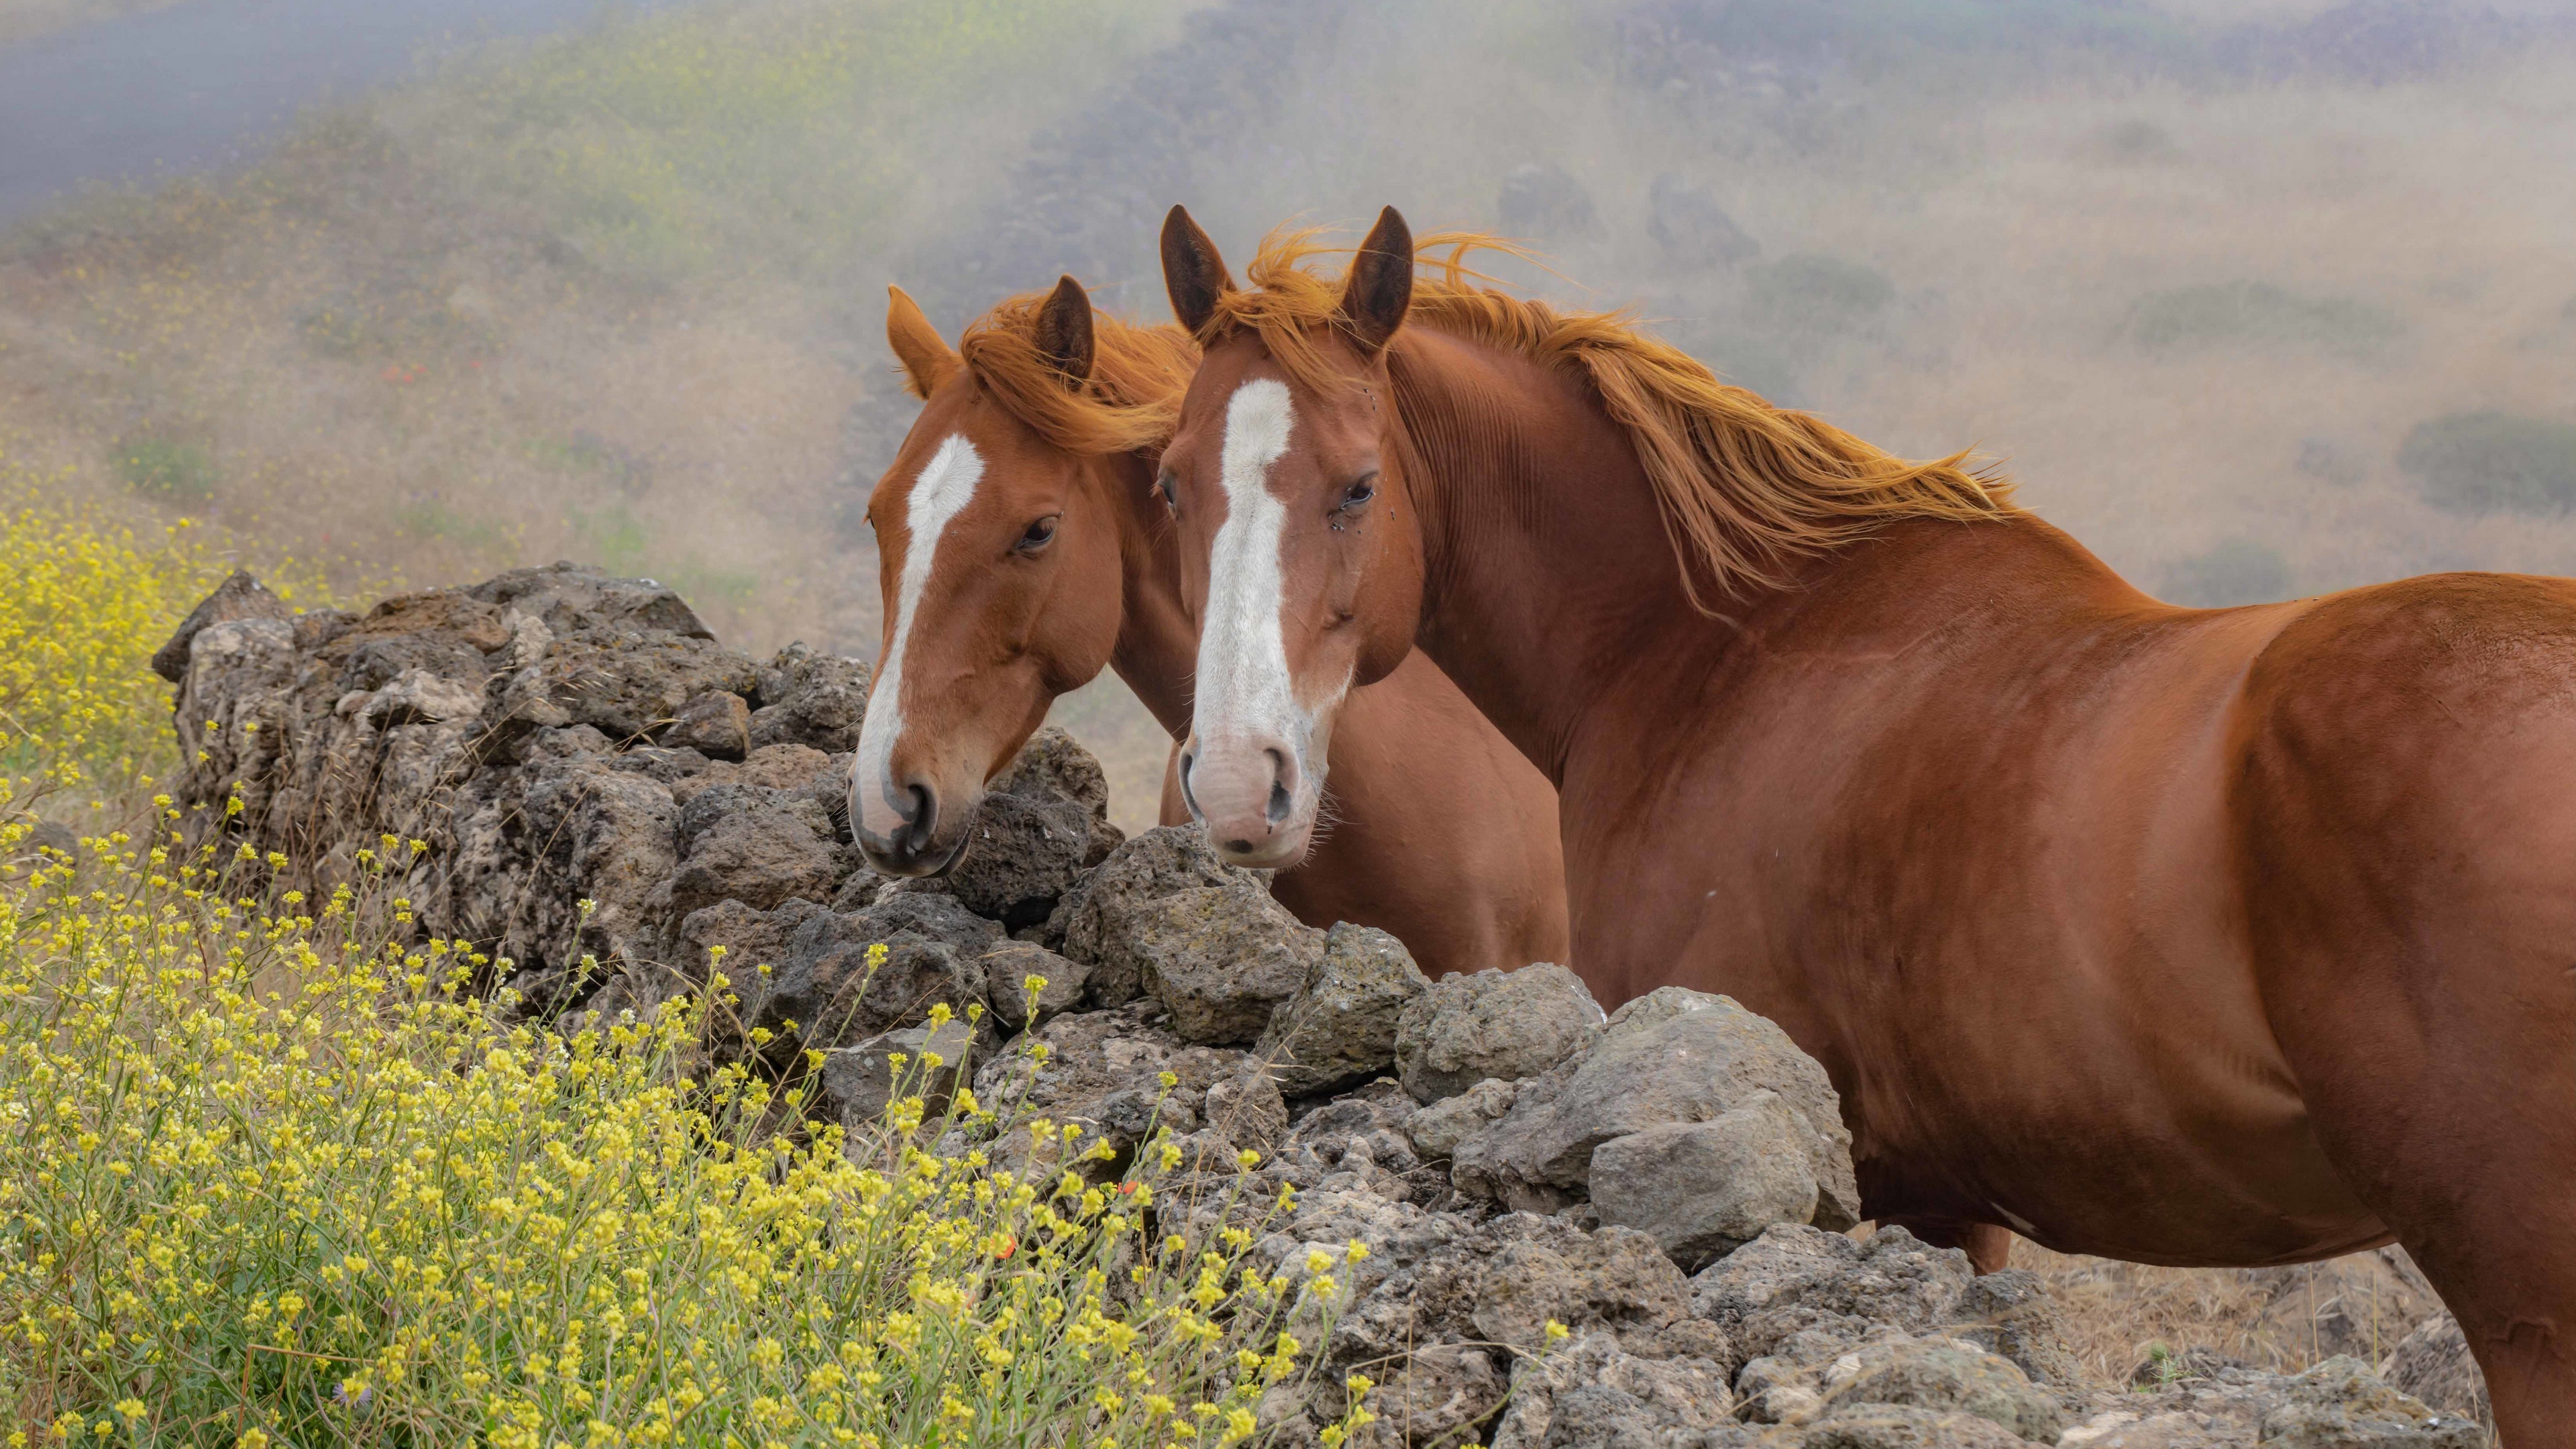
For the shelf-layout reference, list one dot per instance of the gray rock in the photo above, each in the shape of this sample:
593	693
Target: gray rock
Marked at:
1339	1028
1436	1130
1594	1394
1055	766
1245	1107
1704	1189
1219	958
569	597
1945	1376
1434	1394
1495	1024
825	994
855	1084
1022	855
1672	1056
625	685
1888	1426
239	596
810	698
716	724
2433	1363
753	845
1100	913
1616	1280
1007	969
2009	1314
2340	1404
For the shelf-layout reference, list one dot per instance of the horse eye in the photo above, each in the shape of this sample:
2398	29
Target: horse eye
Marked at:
1360	492
1168	487
1039	534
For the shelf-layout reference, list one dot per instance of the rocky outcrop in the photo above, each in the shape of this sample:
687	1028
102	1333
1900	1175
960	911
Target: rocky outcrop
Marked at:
1571	1232
1491	1026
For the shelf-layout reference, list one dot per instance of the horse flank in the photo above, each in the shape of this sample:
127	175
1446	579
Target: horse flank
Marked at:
1130	402
1745	487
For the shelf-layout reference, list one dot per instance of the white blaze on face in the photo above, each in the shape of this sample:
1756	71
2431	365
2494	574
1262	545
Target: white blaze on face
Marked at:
1243	683
942	491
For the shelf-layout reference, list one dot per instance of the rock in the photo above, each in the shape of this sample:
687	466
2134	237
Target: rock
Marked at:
1945	1376
2340	1404
855	1084
1055	766
2010	1315
1022	854
1796	1279
745	843
751	938
809	698
1595	1394
1704	1189
239	596
1437	1129
1339	1028
1219	958
1495	1024
825	994
568	598
1245	1107
2433	1364
1438	1391
1886	1426
1616	1280
1671	1056
716	724
1100	912
1007	968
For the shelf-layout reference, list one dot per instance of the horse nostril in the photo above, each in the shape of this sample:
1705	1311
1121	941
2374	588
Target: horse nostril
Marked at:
1280	802
923	817
1187	798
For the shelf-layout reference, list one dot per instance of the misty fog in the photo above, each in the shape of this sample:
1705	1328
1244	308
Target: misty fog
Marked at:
2256	301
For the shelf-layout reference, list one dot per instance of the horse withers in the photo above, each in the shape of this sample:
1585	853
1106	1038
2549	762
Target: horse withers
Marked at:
2237	936
1021	549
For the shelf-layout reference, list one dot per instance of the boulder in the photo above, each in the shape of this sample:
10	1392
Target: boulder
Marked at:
239	596
1436	1130
1494	1024
1339	1028
1616	1280
1704	1189
810	698
1023	853
1797	1280
855	1084
1593	1392
1671	1056
1220	959
2340	1403
2432	1363
1097	918
755	845
1942	1375
716	724
1889	1426
1007	969
825	994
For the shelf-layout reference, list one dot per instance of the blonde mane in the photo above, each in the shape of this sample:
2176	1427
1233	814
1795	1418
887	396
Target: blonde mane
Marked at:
1745	488
1130	403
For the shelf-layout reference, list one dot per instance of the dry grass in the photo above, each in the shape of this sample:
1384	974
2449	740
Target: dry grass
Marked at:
2275	1318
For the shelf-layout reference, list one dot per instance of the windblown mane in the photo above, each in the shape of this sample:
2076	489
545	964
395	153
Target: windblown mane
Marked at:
1130	403
1745	487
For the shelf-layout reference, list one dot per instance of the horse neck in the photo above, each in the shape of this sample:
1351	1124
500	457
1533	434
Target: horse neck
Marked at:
1157	648
1547	571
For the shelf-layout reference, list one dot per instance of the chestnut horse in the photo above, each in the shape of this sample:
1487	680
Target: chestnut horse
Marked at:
2233	936
1021	548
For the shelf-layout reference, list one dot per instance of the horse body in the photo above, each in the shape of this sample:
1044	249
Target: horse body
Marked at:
2197	937
1455	855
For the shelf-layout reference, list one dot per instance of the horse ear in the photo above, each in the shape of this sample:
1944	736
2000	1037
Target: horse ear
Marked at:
1380	288
1064	330
1193	273
926	357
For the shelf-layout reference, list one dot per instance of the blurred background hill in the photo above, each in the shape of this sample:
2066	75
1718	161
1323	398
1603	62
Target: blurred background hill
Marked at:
2256	300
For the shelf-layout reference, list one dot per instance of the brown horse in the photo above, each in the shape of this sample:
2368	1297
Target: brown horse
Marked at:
1043	554
2233	936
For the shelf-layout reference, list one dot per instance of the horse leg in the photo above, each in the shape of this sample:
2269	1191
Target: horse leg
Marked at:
1988	1245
